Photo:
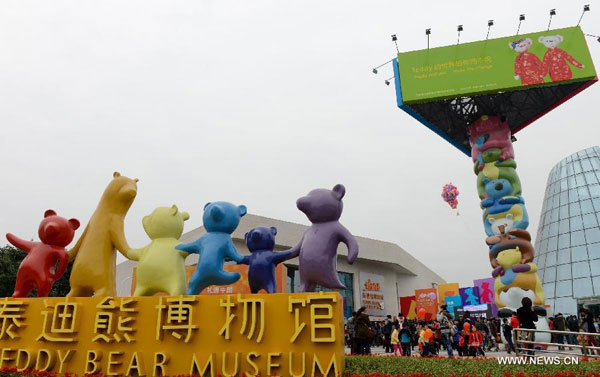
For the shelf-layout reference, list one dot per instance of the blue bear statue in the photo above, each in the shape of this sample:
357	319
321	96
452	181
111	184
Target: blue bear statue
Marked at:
495	189
220	220
263	260
504	214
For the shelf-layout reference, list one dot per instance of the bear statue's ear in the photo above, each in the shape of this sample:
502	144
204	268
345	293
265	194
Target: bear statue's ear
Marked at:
216	213
511	45
339	190
74	223
185	216
49	212
116	174
242	210
273	231
541	39
509	216
174	210
528	40
136	180
560	38
486	181
206	205
491	220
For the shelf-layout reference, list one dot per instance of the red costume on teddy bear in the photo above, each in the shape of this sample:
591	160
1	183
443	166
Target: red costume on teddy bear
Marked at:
528	67
38	269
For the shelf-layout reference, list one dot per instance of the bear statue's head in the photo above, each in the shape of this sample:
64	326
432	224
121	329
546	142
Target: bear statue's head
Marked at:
509	257
497	188
501	225
261	238
520	45
165	222
222	216
323	205
120	193
550	41
57	231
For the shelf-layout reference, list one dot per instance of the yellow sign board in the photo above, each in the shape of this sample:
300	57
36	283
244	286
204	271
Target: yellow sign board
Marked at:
298	334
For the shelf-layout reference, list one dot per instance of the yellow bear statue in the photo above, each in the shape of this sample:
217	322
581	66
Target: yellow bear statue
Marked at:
160	267
94	269
517	275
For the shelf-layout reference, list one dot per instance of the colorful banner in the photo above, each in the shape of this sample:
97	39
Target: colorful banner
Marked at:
241	286
494	65
260	334
453	302
445	290
486	292
371	293
408	307
427	299
469	295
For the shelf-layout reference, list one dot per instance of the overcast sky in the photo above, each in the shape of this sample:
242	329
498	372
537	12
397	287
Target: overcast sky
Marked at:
256	103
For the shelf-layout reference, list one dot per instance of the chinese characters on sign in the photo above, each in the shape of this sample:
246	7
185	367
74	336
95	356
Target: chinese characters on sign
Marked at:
271	334
371	293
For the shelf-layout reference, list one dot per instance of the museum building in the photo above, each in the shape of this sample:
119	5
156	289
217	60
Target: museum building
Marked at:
381	274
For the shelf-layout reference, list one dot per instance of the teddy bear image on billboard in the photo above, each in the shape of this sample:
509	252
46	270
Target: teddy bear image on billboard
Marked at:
555	59
528	67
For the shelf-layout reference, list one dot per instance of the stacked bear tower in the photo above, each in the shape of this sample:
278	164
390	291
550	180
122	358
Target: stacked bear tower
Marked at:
505	217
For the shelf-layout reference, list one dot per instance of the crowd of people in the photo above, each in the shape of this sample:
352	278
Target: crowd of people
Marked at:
465	336
468	336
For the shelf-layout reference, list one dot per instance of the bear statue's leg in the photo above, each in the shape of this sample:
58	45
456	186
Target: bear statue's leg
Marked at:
255	287
196	283
226	278
105	291
23	287
79	291
44	287
176	289
306	286
271	287
140	290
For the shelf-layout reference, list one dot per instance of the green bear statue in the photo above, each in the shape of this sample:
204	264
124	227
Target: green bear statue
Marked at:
160	267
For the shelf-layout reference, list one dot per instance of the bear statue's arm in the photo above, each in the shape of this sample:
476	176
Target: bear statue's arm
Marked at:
295	251
233	253
245	260
350	242
63	262
73	252
135	254
487	203
281	256
117	233
20	243
191	248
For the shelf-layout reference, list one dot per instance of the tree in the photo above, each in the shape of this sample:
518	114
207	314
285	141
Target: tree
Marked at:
10	260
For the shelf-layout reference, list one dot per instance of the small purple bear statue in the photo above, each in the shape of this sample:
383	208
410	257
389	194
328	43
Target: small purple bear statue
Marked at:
318	247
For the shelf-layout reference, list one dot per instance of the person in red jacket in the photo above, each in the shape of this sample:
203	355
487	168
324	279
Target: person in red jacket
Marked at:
475	342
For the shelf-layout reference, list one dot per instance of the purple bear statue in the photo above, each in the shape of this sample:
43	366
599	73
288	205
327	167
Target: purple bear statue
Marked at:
318	247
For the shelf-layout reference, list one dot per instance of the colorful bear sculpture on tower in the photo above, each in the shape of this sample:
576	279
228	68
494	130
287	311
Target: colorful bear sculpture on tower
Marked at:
505	217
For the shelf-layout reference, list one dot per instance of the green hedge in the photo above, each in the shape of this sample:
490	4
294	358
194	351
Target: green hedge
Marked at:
390	365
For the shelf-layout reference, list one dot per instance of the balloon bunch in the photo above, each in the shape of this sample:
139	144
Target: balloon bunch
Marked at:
450	195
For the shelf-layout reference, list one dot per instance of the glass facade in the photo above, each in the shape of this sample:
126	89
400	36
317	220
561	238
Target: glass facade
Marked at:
568	238
293	280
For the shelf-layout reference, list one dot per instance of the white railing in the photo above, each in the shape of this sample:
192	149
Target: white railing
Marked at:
581	345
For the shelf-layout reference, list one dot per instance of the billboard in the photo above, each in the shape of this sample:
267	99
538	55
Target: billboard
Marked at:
445	290
486	292
469	295
483	311
453	302
495	65
408	307
427	299
371	293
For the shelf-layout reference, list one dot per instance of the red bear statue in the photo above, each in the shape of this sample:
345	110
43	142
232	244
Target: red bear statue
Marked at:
38	269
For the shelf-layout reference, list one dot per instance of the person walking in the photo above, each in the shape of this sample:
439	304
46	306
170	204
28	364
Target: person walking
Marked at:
395	340
560	325
387	334
527	318
588	326
350	326
363	330
406	339
443	318
507	331
573	326
476	343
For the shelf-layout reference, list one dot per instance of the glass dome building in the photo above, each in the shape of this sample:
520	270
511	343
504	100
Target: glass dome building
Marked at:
568	238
